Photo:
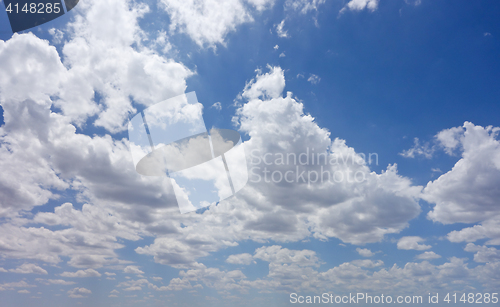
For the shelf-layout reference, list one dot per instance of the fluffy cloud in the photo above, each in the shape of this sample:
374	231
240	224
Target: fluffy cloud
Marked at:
82	273
208	22
483	253
304	6
132	269
468	193
365	252
283	211
29	268
359	5
245	259
419	150
79	292
412	242
428	256
55	282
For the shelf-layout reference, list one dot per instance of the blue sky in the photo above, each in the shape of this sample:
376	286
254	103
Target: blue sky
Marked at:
412	82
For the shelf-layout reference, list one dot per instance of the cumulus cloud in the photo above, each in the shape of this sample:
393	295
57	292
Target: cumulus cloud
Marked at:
483	253
428	256
284	211
303	6
365	252
208	22
245	259
468	192
132	269
29	268
79	292
425	150
359	5
412	242
82	273
55	282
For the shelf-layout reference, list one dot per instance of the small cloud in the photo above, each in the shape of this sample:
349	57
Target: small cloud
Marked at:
78	292
115	291
82	273
29	268
413	2
132	269
282	55
366	263
23	291
425	150
110	274
428	256
245	259
365	252
57	35
314	79
217	106
280	31
276	47
412	242
156	278
487	34
359	5
300	76
55	282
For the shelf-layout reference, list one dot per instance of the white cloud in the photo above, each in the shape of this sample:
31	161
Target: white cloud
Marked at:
428	256
366	263
217	106
450	138
282	55
414	2
262	5
245	259
23	291
278	254
268	85
29	268
419	150
359	5
276	47
365	252
79	292
412	242
487	229
314	79
304	6
110	274
55	282
82	273
468	193
208	22
280	31
132	269
483	253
